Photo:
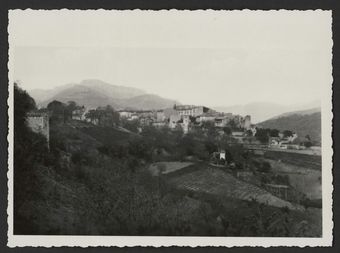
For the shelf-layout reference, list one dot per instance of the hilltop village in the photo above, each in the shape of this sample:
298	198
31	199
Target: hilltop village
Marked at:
186	118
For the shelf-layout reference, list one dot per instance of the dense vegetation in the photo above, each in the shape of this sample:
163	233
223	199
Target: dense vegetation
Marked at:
94	180
303	125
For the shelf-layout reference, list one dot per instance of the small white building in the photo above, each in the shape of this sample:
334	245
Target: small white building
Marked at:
125	114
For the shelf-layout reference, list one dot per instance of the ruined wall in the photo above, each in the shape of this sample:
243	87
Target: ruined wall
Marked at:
39	123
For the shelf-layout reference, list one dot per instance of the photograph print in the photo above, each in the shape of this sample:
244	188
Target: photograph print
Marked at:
187	128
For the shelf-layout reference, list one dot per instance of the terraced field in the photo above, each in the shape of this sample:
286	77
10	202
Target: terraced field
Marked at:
302	160
217	182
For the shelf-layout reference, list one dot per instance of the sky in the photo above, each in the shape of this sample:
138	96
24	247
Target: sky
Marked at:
215	58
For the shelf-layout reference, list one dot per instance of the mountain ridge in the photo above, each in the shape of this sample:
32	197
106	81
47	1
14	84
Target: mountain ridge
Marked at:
261	111
93	93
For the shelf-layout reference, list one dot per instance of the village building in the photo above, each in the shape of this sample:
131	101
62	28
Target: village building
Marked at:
133	116
292	138
191	110
222	121
173	120
39	123
185	124
125	114
160	116
79	113
159	124
146	121
246	122
205	118
274	142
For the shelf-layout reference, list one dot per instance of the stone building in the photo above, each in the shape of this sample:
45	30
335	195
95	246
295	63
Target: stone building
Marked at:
247	122
39	123
191	110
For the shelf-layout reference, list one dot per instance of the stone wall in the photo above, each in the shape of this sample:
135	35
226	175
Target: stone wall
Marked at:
39	123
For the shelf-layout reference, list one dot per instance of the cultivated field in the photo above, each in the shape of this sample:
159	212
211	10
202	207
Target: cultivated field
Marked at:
301	160
217	182
307	181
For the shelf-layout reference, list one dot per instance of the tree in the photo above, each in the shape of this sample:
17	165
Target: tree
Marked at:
287	133
23	103
249	133
132	125
69	108
92	115
104	116
227	130
57	110
274	133
265	167
262	135
30	152
232	124
308	144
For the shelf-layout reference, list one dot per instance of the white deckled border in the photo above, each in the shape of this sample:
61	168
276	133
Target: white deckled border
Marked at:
158	241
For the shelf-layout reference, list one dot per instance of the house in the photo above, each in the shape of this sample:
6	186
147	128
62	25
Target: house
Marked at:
133	116
160	116
79	113
185	123
274	142
146	121
191	110
292	137
125	114
205	118
174	119
222	154
221	121
159	124
246	122
219	157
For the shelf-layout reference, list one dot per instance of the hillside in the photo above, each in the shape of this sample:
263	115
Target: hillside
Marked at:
261	111
301	112
148	102
302	124
94	93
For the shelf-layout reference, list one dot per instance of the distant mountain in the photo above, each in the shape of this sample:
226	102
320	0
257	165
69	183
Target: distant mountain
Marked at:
307	122
260	111
301	112
147	102
41	95
94	93
82	95
113	91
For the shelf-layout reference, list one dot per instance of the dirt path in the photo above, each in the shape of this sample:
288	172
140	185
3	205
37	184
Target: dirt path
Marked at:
167	167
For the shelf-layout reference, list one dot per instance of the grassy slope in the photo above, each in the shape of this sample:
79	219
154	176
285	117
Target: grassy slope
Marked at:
94	197
301	124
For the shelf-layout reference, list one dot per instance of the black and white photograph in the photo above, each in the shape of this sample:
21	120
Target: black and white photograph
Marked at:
170	128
